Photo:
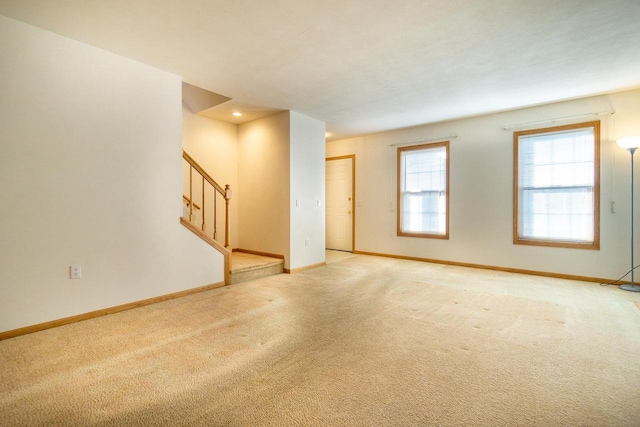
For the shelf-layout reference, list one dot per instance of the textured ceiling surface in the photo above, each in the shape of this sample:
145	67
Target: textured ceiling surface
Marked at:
365	66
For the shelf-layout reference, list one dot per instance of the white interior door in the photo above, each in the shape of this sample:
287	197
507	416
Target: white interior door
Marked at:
339	204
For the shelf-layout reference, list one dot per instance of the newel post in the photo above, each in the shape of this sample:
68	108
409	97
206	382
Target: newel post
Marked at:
227	225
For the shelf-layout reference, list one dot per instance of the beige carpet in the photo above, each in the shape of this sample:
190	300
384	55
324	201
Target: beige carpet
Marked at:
363	341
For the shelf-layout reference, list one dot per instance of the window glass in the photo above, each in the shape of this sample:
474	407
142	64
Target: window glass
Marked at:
423	190
556	195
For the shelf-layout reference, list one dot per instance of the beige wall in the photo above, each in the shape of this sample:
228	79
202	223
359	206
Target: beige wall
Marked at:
89	174
214	145
307	187
281	162
481	190
264	186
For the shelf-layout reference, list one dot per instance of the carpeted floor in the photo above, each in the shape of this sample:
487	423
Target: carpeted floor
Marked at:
362	341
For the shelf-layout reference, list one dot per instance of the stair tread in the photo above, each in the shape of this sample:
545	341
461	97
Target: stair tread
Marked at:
241	262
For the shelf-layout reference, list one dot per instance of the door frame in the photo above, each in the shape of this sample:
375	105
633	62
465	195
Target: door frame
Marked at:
353	196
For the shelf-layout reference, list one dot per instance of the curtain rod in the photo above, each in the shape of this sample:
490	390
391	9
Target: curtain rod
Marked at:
518	125
424	140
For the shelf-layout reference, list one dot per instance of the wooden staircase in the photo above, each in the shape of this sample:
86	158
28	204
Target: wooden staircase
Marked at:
205	210
205	204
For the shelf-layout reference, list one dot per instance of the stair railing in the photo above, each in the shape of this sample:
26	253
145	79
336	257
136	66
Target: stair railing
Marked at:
201	203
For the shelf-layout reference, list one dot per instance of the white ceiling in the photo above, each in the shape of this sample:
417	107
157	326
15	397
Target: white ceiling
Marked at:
365	66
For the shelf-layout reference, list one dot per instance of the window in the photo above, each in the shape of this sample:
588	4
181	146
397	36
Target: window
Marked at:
423	190
556	186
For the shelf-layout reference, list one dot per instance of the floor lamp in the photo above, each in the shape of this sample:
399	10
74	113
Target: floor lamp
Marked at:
631	144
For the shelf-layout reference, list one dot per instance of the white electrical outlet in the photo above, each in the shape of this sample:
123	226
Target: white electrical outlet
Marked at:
297	203
318	203
75	271
613	206
306	241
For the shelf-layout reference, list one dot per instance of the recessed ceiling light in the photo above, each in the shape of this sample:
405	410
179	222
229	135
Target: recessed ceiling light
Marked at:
237	113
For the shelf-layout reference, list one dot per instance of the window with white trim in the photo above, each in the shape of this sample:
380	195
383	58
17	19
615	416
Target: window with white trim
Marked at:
556	186
423	190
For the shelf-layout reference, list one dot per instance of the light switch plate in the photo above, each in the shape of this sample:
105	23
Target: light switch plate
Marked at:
75	271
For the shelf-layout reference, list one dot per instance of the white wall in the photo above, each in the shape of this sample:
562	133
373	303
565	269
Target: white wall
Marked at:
89	174
264	186
307	187
481	190
281	160
214	145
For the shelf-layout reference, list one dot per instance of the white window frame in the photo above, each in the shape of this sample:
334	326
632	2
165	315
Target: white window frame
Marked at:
444	193
519	218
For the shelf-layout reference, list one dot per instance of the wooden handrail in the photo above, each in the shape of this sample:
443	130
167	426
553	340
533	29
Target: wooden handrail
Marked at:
201	226
201	171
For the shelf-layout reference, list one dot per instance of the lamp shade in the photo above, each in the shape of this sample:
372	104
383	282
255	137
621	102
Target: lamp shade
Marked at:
629	142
